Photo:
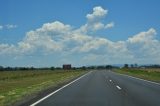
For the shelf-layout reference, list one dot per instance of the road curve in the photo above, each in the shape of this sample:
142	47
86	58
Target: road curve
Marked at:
106	88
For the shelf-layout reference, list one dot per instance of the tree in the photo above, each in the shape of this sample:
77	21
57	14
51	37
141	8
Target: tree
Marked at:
108	67
1	68
84	67
52	68
132	66
125	65
135	65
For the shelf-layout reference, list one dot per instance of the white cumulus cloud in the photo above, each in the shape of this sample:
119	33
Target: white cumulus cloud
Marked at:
94	21
57	37
109	25
143	36
144	44
98	13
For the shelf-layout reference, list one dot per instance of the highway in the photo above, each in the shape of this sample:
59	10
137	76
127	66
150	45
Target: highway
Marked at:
104	88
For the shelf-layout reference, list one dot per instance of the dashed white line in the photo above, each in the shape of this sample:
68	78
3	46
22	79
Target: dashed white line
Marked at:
58	90
110	80
118	87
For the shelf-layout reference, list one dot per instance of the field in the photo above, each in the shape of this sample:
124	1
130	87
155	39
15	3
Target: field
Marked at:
15	85
147	74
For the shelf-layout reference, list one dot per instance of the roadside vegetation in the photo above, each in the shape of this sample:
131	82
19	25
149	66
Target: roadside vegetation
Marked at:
15	85
152	74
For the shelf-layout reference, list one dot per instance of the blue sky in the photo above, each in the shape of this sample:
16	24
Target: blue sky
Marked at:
81	32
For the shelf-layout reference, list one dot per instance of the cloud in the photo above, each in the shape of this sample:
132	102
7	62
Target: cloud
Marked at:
143	37
54	27
110	25
64	40
45	39
94	21
10	26
48	38
144	44
92	44
98	13
7	49
1	27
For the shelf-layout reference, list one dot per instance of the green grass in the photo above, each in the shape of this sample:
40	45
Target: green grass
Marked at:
148	74
15	85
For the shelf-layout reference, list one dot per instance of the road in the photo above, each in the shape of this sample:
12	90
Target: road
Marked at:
105	88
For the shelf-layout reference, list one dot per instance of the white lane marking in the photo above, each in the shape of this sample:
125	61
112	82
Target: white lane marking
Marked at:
110	80
139	78
118	87
37	102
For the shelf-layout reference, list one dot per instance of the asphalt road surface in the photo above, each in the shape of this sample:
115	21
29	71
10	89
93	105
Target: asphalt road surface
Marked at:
105	88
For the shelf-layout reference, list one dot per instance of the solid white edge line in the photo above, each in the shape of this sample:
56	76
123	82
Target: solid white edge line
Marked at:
139	79
35	103
118	87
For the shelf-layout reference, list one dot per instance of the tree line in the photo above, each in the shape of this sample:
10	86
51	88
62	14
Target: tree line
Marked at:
26	68
54	68
141	66
75	68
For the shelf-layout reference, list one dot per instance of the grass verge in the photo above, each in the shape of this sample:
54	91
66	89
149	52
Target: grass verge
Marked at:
141	73
15	85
